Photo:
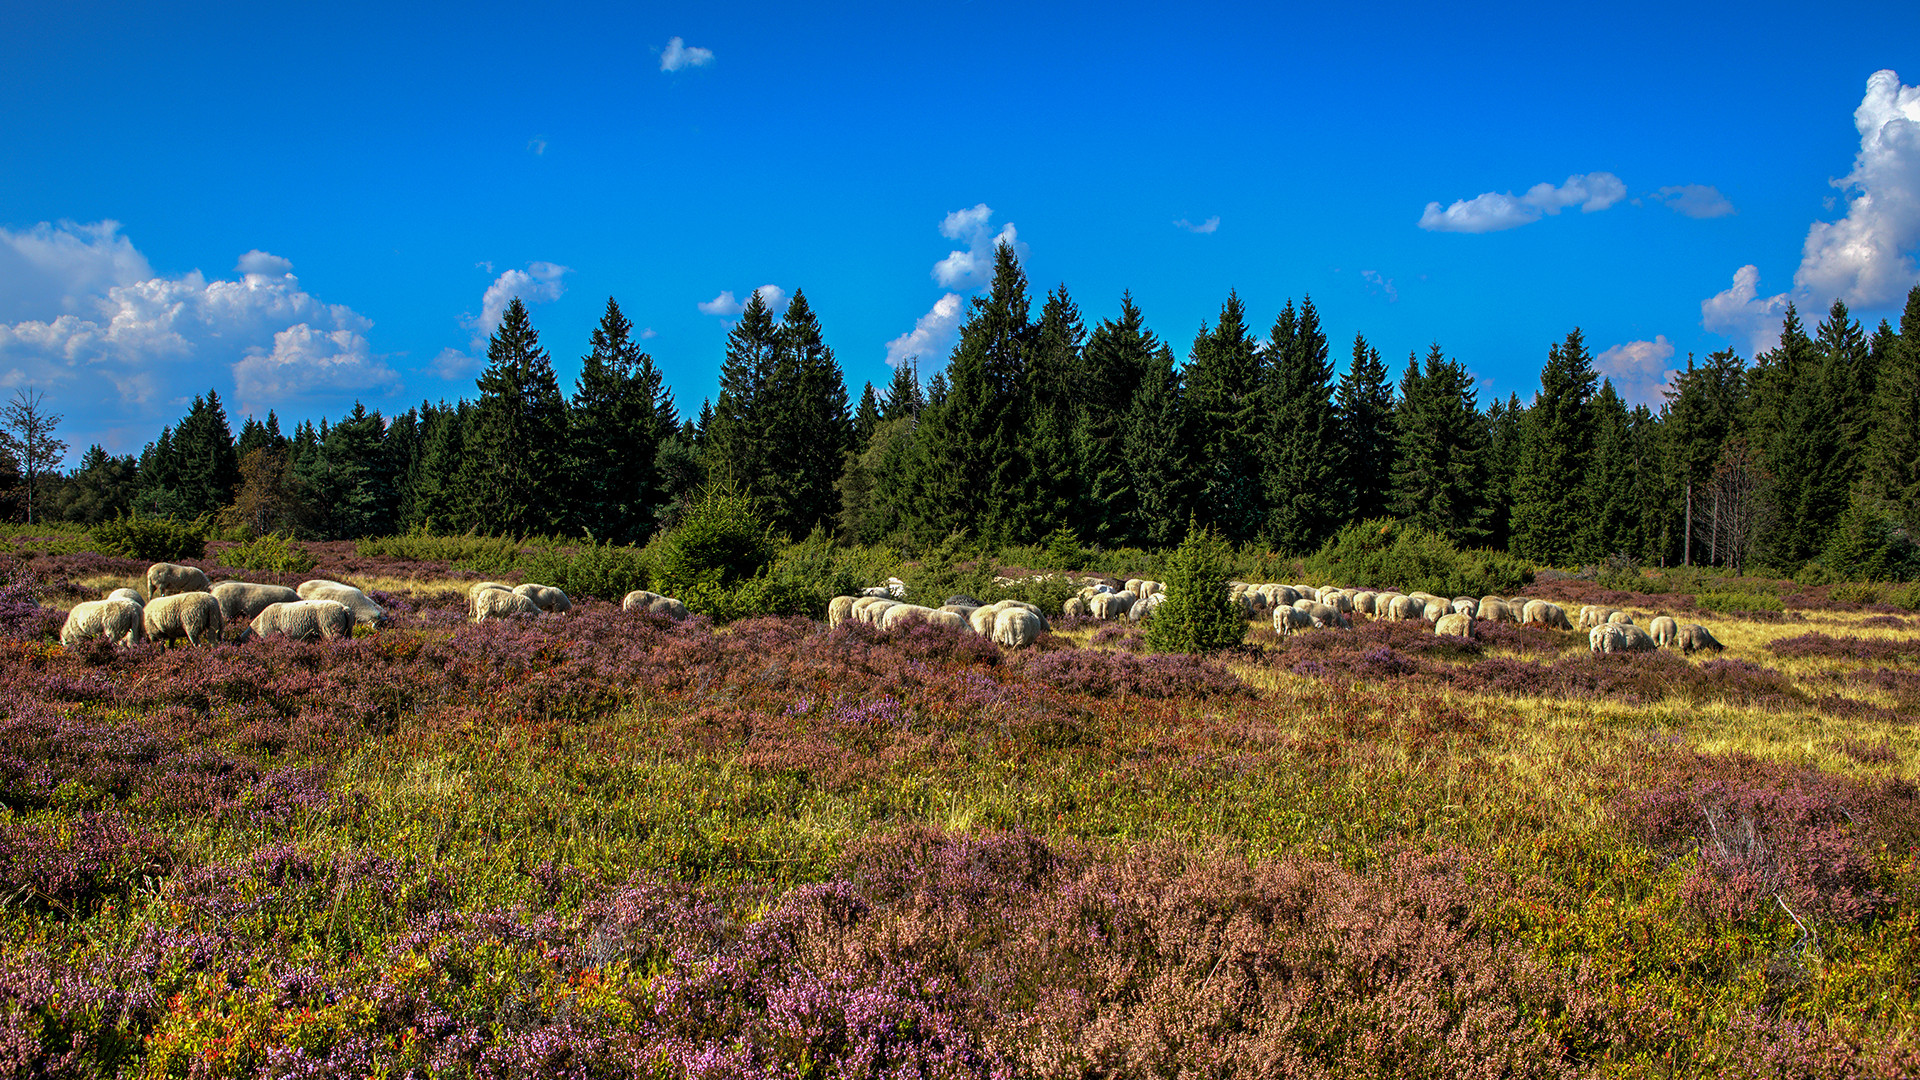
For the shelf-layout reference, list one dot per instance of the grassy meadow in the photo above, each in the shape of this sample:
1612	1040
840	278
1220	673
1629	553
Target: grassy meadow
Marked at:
606	845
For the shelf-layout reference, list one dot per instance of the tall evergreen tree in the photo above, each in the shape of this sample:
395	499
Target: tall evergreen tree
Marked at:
614	429
1307	493
102	487
517	447
737	439
1156	450
1225	377
1050	403
1549	486
866	417
1847	372
1506	431
903	397
1892	470
1798	445
1364	406
1610	524
1440	458
1703	411
807	429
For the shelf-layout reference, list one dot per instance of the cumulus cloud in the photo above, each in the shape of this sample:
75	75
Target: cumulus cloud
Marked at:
678	54
1638	369
1206	226
931	333
1384	284
1866	258
1495	211
1740	313
726	304
1695	200
103	318
973	267
539	281
649	332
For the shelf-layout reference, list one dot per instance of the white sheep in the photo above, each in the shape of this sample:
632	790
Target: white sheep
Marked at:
307	588
363	608
482	586
1109	606
1694	636
1014	627
244	600
1076	607
1458	624
1546	613
172	579
302	620
1619	637
1664	630
195	616
1326	616
1364	602
117	620
899	615
1624	618
839	609
1286	620
128	594
546	597
1145	606
655	604
501	604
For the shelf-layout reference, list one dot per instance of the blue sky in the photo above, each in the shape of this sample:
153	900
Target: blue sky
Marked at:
409	166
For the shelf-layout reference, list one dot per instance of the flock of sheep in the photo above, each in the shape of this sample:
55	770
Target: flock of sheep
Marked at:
180	603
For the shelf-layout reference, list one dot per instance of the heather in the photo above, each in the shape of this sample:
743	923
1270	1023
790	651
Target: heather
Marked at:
607	844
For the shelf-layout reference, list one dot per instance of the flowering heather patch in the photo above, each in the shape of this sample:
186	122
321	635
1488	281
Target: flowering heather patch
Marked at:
1100	673
1849	647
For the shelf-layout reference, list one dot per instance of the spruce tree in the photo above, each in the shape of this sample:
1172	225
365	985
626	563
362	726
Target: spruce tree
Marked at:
1798	445
514	474
1703	411
806	426
904	396
1115	362
866	417
1610	526
1847	373
1506	431
1549	488
1892	470
614	431
1198	615
206	468
736	439
1156	450
1050	405
1364	407
1225	377
1307	493
1441	447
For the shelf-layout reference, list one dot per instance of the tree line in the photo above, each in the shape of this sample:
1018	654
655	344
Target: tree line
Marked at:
1038	425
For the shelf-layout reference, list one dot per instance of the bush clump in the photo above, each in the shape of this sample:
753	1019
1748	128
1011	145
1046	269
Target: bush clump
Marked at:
1385	553
606	571
471	552
1197	616
273	552
151	539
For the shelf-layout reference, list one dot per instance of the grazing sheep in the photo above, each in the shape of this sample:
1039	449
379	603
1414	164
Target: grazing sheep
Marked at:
962	610
1015	626
1494	609
1619	638
839	609
1145	606
128	594
1664	630
1624	618
117	620
483	586
244	600
1462	605
307	588
1076	607
1694	636
172	579
902	614
942	617
1458	624
654	603
545	597
1108	606
1363	602
1337	600
1286	620
363	608
1402	608
302	620
1543	613
871	612
195	616
1326	615
501	604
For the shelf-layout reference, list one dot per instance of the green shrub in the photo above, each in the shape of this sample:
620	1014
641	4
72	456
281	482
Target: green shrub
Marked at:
1063	551
721	541
762	595
955	566
470	552
1197	616
1383	553
151	539
606	571
270	552
1729	601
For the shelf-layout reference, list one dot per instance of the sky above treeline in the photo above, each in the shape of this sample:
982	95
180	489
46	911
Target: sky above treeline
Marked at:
301	207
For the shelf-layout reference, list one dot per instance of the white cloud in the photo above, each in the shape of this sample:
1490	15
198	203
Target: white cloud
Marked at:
726	304
454	364
104	319
649	332
932	333
260	262
1638	369
63	268
1206	226
1866	258
678	54
1495	211
1740	313
1384	284
539	281
973	267
537	146
1695	200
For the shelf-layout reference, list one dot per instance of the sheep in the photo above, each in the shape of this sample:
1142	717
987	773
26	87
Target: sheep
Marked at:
943	618
1433	612
363	608
1145	607
302	620
839	609
654	603
1402	608
117	620
128	594
307	588
1462	605
1593	615
1458	624
1326	615
1664	630
545	597
172	579
1109	606
1016	626
500	604
244	600
1337	600
1363	602
1286	620
902	614
1624	618
1694	636
1544	613
483	586
195	616
1076	607
1619	637
1494	609
871	614
961	610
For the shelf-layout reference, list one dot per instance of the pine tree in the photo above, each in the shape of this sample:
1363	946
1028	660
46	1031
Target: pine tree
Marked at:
1305	488
1506	431
1441	446
806	426
1892	470
903	396
614	431
515	471
736	439
866	417
1798	445
1610	524
1154	447
1225	377
1703	412
1364	408
1549	489
1050	404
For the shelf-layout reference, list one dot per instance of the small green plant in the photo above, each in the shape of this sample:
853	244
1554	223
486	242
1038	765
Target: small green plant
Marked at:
721	540
1732	601
1197	616
482	554
952	567
1063	550
273	552
151	539
607	571
1383	553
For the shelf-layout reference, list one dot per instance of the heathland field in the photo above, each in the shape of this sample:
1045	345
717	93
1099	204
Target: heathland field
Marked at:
606	844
